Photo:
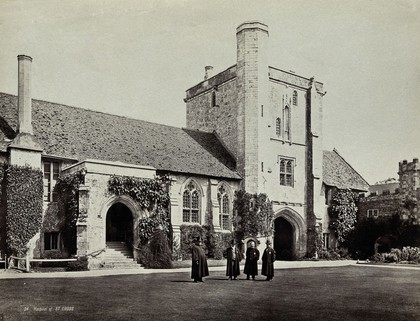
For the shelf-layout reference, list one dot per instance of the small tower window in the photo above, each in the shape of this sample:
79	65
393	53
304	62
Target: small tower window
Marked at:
295	98
278	126
213	99
287	123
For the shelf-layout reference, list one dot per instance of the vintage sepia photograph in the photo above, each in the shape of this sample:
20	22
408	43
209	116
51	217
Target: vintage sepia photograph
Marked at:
209	160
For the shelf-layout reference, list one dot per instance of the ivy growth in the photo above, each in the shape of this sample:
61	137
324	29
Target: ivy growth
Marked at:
151	195
253	214
67	190
343	213
24	206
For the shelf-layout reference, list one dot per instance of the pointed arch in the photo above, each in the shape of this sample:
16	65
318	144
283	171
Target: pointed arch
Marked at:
225	200
192	194
298	229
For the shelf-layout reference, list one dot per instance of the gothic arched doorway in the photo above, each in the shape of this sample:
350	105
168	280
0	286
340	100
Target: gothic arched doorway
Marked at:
284	239
119	224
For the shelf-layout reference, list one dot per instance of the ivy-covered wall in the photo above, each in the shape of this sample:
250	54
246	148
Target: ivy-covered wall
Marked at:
3	246
151	195
66	210
24	190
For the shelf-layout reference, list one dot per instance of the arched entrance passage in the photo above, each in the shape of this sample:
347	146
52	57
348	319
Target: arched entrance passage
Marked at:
119	224
289	235
283	239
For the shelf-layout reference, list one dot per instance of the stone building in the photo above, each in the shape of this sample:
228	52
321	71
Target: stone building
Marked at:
252	127
391	196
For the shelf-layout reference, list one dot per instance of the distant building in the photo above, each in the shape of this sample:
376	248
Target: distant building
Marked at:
390	197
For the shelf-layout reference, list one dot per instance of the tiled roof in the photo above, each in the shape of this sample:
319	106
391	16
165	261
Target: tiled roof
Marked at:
337	172
81	134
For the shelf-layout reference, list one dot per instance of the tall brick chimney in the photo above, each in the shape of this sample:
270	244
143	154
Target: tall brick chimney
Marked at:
24	95
24	149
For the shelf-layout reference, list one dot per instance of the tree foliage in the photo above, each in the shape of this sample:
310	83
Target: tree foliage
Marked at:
343	213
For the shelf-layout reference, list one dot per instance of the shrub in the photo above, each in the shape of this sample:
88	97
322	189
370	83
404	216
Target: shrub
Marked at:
157	254
378	257
222	241
390	257
329	255
410	254
397	253
80	265
188	234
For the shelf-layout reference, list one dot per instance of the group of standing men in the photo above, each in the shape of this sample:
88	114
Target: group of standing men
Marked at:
234	255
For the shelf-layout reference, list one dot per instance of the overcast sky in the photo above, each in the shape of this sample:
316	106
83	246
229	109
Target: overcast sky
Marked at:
137	58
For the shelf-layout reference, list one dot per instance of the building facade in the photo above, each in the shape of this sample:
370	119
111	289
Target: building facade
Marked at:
252	127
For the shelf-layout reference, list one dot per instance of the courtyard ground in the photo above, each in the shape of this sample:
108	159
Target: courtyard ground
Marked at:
342	293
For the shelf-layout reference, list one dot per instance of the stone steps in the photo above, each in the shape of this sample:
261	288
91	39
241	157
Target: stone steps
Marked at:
118	256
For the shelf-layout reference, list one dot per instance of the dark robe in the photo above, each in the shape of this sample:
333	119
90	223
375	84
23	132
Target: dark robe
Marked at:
232	268
199	267
268	259
251	262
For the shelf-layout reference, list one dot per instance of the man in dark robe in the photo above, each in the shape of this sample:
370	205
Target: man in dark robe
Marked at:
234	256
268	259
251	262
199	267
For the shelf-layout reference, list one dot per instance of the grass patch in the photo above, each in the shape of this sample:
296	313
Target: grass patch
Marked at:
339	293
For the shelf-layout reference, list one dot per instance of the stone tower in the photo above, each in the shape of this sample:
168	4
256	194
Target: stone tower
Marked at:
229	102
409	174
271	121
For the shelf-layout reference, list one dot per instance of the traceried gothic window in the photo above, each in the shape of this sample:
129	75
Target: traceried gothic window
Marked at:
286	172
191	204
295	98
278	126
51	173
287	123
224	208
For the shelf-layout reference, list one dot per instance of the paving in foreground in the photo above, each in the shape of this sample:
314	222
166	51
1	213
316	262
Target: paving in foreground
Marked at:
141	270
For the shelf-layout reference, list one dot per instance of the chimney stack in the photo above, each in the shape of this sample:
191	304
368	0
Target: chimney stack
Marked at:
208	72
24	95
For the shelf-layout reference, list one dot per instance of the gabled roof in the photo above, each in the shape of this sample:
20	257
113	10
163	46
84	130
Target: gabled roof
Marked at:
337	172
80	134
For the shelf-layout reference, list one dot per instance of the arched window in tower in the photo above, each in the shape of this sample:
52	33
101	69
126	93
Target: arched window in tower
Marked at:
278	126
287	123
224	208
191	204
286	172
295	98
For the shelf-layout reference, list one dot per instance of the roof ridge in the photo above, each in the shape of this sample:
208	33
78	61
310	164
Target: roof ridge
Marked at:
336	151
94	111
